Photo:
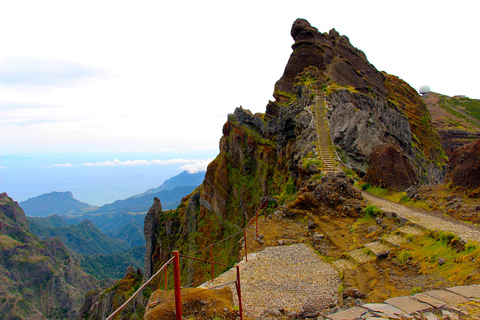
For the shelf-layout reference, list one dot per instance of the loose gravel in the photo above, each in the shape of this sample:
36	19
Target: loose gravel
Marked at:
286	277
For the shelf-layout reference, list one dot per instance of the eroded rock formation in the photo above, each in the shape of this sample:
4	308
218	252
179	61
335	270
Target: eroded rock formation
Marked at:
464	166
389	167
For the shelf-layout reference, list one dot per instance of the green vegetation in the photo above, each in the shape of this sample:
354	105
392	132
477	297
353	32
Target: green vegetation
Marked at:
83	238
113	266
459	260
372	211
462	107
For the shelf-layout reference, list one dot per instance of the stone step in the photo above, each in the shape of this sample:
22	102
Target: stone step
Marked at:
343	264
410	230
360	257
394	240
379	249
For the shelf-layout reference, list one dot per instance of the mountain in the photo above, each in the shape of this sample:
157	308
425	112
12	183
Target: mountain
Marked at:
457	119
85	238
131	233
113	266
60	203
137	204
180	180
275	155
39	279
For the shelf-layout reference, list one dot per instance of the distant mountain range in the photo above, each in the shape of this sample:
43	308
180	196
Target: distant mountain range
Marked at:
62	203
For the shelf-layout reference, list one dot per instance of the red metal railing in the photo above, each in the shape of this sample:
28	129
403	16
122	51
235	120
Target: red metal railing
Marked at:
176	271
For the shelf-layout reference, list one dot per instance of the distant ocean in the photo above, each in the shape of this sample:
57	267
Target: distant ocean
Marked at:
96	179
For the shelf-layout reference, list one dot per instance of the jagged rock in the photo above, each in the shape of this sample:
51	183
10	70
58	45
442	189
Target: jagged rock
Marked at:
354	293
40	278
464	166
150	226
390	168
412	192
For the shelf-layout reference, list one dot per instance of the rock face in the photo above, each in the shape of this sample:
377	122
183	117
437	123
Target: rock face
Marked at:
149	227
40	279
464	166
366	107
390	168
333	56
101	304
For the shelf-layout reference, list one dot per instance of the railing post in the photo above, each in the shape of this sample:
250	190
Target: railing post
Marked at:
245	238
239	293
176	277
211	259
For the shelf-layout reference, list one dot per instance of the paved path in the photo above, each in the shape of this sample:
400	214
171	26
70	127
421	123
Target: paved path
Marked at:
283	277
428	221
461	302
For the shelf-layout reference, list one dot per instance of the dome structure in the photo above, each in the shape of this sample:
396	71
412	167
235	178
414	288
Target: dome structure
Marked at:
424	89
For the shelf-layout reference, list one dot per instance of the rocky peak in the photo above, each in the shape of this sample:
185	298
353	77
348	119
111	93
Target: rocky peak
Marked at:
334	57
12	217
150	225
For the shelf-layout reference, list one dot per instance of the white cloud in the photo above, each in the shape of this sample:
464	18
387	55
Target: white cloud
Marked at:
196	167
3	167
39	72
196	164
63	165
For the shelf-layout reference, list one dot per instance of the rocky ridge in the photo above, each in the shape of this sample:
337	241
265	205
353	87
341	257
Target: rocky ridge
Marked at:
39	279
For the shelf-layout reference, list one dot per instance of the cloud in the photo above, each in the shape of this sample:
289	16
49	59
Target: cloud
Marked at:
196	167
38	72
3	167
116	162
195	164
63	165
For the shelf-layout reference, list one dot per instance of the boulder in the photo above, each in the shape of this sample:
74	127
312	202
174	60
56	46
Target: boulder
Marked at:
464	166
390	168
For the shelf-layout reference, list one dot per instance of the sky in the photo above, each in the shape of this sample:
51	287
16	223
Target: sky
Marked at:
156	80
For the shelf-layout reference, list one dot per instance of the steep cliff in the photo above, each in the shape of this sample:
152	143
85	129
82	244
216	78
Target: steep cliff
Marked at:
39	279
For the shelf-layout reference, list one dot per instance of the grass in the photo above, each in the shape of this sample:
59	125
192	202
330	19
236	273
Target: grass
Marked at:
461	261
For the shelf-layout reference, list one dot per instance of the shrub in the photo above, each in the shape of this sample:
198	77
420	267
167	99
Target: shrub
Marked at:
372	210
365	185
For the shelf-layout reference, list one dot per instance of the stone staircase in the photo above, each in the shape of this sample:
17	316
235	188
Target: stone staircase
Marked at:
377	249
323	135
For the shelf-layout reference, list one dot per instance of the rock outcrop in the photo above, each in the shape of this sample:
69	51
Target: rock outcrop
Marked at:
366	108
389	167
149	228
39	279
464	166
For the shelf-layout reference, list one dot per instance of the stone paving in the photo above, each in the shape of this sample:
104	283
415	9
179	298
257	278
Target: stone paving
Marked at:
461	302
284	277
